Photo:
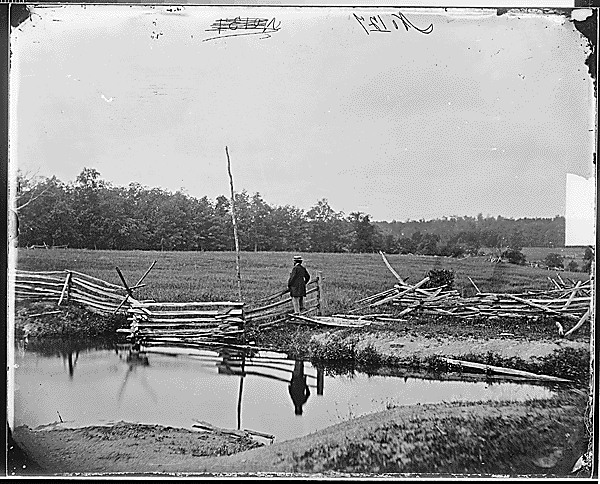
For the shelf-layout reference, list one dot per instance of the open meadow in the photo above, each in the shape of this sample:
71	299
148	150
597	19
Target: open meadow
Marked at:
211	276
538	254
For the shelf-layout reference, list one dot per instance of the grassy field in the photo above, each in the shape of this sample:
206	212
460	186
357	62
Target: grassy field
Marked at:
211	276
569	253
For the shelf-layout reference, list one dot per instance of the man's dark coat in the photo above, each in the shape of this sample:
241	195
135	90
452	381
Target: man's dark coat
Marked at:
298	280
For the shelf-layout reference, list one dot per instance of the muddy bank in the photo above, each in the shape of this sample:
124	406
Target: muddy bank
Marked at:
420	345
121	447
46	320
536	438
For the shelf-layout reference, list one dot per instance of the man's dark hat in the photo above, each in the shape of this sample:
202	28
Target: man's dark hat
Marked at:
297	258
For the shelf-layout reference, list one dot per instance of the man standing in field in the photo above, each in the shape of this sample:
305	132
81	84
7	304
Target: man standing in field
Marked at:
297	284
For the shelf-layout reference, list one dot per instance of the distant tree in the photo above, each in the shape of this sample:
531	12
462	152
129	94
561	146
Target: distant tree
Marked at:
452	250
514	256
222	228
554	260
364	232
261	226
516	239
294	228
572	266
406	245
389	244
428	244
91	213
47	215
326	228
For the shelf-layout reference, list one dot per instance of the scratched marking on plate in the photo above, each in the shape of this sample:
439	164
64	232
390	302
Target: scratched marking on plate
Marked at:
234	27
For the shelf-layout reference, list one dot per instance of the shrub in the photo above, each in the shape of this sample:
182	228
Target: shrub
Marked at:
554	260
337	348
368	357
441	277
587	260
572	266
514	256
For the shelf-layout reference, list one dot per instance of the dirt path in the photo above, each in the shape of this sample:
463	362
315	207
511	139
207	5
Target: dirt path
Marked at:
393	344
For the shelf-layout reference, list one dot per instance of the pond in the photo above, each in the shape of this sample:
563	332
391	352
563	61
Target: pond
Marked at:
95	384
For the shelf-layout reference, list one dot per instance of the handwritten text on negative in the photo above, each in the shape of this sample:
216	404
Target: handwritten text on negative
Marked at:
376	24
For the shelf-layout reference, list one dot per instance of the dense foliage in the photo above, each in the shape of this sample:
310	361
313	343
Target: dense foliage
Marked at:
514	256
554	260
92	213
441	278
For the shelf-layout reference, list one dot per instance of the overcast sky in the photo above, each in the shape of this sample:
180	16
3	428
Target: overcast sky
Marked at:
485	114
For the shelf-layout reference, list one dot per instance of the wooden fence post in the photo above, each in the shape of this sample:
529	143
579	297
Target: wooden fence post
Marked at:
320	295
69	284
66	290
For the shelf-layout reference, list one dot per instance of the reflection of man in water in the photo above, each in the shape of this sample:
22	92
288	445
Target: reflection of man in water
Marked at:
298	388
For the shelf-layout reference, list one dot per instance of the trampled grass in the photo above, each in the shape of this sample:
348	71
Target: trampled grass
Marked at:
211	276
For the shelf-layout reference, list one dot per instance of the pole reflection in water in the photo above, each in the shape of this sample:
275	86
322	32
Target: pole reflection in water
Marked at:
320	380
135	358
239	407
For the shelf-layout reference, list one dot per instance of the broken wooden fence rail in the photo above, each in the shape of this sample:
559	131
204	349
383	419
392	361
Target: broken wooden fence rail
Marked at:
330	321
208	427
47	313
68	286
490	369
565	302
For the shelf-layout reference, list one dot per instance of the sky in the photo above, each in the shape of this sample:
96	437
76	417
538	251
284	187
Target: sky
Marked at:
486	114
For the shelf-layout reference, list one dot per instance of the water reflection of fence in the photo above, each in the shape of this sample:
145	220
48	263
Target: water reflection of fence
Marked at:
275	309
70	286
237	361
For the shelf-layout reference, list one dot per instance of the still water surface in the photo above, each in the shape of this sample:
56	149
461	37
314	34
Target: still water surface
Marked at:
175	387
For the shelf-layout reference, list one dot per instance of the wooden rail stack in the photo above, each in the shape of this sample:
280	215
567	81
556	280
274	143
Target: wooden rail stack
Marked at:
64	287
188	321
568	301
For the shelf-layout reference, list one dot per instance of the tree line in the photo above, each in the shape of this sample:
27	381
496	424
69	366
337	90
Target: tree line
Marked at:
94	214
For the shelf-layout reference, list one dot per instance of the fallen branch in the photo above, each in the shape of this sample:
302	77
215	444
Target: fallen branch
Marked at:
328	323
475	286
503	371
44	314
578	325
539	306
396	275
396	296
240	434
572	296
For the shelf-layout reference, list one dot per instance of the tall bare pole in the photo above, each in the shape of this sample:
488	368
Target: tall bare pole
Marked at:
235	234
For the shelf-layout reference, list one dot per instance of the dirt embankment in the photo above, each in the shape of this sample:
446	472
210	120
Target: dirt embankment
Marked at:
539	438
390	344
